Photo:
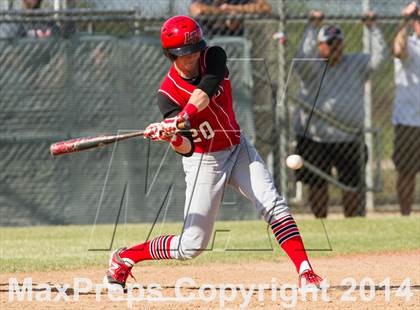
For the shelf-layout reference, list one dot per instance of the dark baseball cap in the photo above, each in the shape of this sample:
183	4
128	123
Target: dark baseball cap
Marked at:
329	33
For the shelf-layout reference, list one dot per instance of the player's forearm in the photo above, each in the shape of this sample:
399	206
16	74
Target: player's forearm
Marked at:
197	9
308	46
199	99
259	7
181	144
400	43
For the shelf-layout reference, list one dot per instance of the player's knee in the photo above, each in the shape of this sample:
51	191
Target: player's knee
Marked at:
276	211
191	247
186	254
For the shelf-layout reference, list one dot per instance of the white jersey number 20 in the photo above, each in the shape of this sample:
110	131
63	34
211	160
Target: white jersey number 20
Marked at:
205	130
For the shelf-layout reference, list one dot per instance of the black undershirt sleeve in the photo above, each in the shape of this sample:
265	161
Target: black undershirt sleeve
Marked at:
168	108
215	70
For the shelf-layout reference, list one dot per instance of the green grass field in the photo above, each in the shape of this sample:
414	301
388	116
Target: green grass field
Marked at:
66	247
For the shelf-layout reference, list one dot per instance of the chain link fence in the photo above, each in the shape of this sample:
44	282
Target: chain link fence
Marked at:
97	71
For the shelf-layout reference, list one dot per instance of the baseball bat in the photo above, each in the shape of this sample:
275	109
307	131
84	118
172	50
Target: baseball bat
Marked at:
81	144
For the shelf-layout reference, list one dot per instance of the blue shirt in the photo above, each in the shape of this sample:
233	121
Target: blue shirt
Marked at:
341	96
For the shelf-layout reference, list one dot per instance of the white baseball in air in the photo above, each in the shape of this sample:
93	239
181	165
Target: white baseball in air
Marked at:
294	161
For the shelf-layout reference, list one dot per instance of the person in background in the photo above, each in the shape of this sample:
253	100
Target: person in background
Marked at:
29	30
406	114
230	26
326	145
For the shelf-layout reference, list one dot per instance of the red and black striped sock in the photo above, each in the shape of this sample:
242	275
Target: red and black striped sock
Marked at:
287	235
158	248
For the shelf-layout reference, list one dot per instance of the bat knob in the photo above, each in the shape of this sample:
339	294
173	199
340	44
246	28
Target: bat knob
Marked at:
184	125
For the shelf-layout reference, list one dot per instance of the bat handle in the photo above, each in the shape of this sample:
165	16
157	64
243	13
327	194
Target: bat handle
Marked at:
184	125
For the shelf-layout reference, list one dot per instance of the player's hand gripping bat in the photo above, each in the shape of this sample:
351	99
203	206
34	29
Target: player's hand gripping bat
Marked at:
81	144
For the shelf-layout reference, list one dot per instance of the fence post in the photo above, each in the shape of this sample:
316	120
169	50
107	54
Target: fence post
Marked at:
368	119
280	148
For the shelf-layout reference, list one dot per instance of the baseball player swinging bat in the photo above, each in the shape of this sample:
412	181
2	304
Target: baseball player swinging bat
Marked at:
81	144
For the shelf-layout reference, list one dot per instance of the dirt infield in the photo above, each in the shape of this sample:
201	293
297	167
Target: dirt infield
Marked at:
250	285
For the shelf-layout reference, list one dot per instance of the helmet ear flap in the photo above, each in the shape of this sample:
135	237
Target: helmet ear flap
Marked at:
169	55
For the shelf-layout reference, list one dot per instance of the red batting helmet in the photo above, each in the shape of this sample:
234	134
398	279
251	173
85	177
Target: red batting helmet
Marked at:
182	35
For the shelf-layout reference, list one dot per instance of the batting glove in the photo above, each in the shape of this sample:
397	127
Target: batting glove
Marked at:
152	131
173	124
155	132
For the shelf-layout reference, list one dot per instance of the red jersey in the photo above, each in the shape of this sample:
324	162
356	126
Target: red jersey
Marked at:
215	128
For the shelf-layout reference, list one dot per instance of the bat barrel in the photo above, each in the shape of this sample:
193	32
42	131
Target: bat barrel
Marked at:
76	145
